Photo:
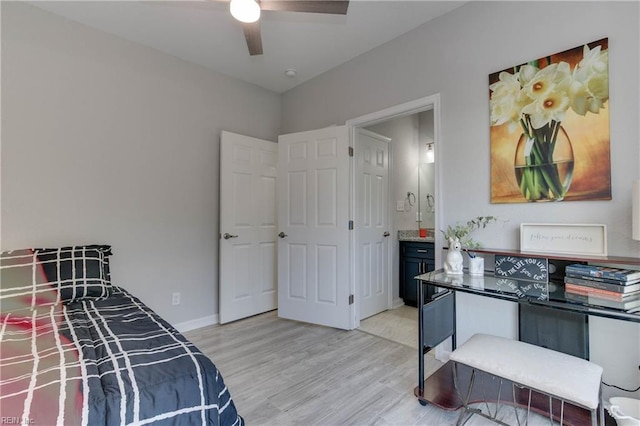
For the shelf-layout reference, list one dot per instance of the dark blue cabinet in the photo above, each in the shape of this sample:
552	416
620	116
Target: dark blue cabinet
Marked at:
415	258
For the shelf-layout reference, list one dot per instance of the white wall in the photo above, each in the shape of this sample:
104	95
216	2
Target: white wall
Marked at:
453	55
106	141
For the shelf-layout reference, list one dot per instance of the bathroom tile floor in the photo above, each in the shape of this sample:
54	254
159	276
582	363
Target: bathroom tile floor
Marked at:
399	325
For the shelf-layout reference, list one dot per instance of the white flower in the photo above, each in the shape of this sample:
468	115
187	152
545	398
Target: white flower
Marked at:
539	96
590	87
555	77
506	100
548	88
527	73
546	108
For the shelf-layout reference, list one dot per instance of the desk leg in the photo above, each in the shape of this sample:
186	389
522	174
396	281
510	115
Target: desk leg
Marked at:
420	338
455	327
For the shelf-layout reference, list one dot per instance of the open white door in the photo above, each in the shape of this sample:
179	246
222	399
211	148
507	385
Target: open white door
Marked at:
313	225
248	248
372	221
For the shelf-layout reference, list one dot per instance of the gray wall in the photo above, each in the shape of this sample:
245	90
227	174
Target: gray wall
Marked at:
106	141
453	55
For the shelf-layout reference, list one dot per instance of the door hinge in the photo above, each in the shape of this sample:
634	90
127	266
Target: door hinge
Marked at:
350	151
350	225
351	299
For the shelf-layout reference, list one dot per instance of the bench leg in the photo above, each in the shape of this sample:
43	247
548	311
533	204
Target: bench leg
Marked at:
465	401
515	405
601	406
486	400
463	418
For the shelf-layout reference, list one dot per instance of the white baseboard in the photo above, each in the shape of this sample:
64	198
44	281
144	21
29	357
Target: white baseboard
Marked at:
197	323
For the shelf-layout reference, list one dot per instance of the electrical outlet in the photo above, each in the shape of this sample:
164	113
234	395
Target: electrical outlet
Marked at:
175	298
400	206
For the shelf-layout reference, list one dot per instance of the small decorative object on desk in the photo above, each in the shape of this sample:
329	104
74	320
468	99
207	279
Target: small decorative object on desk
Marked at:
460	233
476	264
453	261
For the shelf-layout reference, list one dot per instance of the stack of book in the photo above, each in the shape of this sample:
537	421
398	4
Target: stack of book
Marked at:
598	285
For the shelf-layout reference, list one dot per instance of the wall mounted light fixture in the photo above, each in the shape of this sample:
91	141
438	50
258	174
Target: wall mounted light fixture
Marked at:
430	154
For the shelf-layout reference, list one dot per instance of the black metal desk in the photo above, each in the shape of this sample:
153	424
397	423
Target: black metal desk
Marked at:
549	295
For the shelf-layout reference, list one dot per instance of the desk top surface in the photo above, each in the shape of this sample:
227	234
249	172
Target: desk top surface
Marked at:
550	294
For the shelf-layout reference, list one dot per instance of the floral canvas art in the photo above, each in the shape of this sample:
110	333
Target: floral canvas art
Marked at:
550	128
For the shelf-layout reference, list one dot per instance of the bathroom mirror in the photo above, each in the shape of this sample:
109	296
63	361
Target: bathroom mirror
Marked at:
426	171
426	191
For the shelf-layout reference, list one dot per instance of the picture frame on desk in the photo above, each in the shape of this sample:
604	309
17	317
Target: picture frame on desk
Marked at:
562	238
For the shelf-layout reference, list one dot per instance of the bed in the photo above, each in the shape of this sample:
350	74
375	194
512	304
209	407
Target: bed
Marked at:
75	349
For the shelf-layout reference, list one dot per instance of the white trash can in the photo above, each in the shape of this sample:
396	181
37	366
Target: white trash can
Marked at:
626	411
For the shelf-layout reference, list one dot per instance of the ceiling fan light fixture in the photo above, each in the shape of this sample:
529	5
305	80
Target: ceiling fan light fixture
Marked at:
247	11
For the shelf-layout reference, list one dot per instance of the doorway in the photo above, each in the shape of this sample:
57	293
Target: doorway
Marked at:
348	283
404	173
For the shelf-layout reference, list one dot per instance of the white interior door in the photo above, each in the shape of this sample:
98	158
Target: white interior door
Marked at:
372	221
248	248
313	217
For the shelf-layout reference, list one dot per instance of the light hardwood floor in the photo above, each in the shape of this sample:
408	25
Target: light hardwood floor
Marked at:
282	372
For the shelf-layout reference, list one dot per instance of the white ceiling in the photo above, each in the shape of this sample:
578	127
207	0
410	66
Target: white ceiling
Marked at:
203	32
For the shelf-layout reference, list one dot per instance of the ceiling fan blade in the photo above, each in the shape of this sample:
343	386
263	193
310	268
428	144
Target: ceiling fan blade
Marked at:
253	37
335	7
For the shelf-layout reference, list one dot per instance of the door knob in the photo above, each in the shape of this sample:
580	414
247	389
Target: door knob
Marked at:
386	234
282	235
227	235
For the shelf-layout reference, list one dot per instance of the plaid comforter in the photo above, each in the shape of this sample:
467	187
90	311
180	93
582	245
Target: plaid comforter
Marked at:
105	362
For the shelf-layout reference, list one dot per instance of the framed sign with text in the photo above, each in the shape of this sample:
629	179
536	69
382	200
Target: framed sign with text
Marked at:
560	238
522	268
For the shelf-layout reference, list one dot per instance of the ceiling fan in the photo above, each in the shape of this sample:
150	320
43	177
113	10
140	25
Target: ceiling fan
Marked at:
248	12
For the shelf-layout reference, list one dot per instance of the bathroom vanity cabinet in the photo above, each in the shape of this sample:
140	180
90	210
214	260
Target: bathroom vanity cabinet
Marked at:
415	258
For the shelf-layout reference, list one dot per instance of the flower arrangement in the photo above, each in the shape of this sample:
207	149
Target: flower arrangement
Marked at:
462	231
536	100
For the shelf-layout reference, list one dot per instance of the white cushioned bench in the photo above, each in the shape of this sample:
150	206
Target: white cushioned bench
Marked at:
556	374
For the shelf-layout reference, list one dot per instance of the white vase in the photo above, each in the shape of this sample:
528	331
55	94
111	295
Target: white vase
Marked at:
476	265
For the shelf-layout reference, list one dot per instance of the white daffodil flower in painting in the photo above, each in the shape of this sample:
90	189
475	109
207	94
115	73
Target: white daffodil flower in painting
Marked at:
548	108
527	73
590	87
555	77
505	103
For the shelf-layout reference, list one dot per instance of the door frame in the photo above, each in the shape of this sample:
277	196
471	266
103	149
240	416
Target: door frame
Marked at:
431	102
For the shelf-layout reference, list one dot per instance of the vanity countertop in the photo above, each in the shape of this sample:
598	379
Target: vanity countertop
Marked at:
418	239
414	236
